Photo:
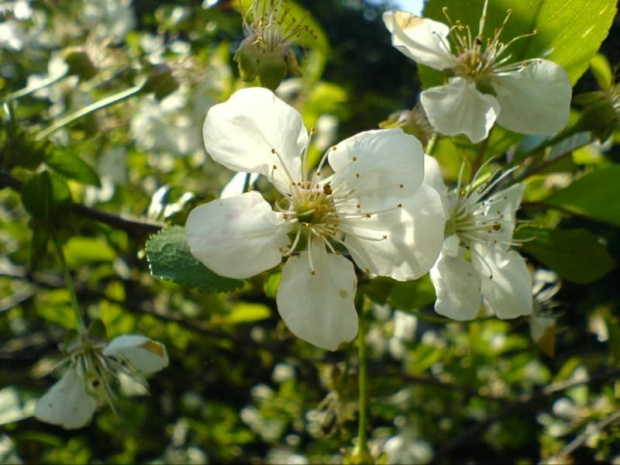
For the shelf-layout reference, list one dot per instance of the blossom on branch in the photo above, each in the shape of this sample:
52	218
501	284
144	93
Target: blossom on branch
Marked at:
482	87
375	206
476	263
92	369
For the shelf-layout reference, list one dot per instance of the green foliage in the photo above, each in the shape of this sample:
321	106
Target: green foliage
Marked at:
170	259
592	196
45	196
72	167
575	254
567	33
100	153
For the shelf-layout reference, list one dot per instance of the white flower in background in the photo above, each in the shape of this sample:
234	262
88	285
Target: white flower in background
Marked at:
112	18
167	126
92	368
476	263
530	97
407	447
375	206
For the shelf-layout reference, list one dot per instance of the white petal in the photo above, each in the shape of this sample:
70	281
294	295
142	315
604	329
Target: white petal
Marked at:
146	355
254	131
319	307
423	40
434	179
458	287
237	183
377	165
237	237
534	100
402	244
506	281
459	108
504	204
67	403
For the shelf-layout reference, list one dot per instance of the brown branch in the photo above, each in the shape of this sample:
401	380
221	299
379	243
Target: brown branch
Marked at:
526	401
131	226
435	383
132	305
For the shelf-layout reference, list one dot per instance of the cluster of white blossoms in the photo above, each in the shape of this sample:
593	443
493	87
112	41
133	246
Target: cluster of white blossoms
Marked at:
384	203
91	368
374	205
483	87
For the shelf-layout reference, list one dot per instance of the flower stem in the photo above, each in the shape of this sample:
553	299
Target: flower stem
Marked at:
32	89
362	446
481	153
79	318
432	144
99	105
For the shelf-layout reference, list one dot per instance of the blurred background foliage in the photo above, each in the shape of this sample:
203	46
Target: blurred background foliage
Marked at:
100	141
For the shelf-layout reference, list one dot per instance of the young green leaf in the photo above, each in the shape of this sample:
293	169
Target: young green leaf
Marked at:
45	195
72	167
170	259
575	254
593	196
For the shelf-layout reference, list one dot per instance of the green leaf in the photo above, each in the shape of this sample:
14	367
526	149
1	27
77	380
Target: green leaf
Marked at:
613	330
72	167
84	250
593	196
170	259
404	296
45	195
568	32
244	312
575	254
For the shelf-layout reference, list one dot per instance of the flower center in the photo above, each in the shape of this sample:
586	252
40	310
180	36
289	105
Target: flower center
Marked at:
479	57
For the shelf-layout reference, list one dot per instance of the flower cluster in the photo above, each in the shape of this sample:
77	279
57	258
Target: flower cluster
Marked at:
384	203
90	370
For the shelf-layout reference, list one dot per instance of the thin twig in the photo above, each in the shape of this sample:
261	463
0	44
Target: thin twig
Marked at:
132	305
131	226
523	402
580	440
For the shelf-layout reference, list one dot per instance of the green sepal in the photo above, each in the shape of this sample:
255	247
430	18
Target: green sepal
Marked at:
71	341
272	69
97	330
247	57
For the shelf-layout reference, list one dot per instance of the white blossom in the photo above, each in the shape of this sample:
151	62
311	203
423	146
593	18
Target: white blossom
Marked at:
91	369
476	263
375	206
483	85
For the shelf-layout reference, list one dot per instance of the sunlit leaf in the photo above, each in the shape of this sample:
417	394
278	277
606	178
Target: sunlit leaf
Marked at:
72	167
170	259
593	196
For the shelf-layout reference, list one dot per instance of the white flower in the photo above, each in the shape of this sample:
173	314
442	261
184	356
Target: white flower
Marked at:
476	262
92	368
375	205
530	97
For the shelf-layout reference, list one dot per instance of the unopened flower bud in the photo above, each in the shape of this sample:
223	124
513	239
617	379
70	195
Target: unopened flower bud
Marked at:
79	63
267	52
412	122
